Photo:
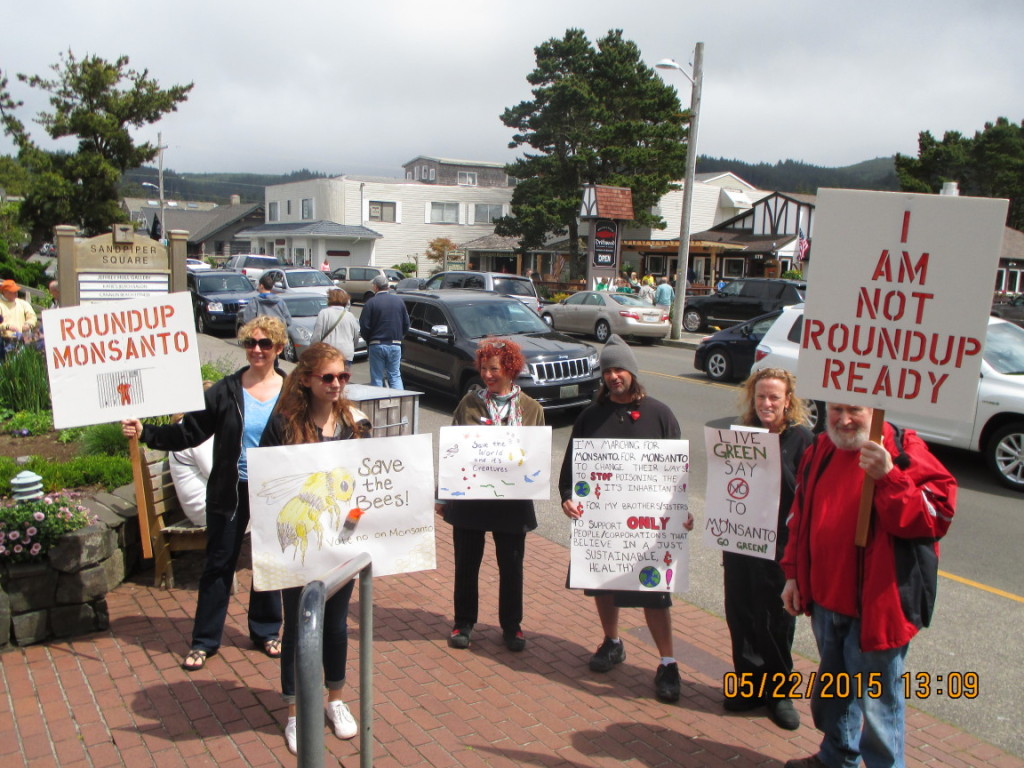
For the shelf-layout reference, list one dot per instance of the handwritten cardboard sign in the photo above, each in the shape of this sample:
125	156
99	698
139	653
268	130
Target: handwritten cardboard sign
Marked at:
302	499
741	506
122	359
492	462
898	299
632	494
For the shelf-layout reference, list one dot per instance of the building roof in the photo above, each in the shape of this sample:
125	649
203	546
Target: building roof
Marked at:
502	244
1013	244
223	216
740	239
319	228
453	161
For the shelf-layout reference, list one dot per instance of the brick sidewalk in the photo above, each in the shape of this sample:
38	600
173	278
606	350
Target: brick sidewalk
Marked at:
119	697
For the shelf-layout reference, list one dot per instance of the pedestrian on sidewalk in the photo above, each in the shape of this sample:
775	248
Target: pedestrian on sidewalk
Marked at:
623	409
759	626
502	403
664	295
313	409
337	326
383	324
237	410
865	603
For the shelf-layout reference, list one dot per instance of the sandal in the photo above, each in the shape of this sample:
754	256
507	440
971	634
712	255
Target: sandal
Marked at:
195	660
271	647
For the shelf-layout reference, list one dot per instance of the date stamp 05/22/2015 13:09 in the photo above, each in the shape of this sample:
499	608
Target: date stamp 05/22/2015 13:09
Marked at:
841	685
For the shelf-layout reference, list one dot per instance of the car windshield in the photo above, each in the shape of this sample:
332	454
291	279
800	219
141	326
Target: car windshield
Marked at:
510	287
1004	348
497	318
627	300
224	284
308	279
305	306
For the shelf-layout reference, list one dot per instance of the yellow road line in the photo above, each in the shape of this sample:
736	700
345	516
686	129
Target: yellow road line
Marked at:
983	587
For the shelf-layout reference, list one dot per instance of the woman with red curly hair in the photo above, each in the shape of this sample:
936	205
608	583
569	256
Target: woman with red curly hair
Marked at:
502	403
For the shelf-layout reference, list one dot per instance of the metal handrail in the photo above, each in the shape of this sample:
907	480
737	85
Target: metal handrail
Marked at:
309	712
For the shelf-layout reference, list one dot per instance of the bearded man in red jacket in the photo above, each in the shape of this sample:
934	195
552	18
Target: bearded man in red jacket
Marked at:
865	603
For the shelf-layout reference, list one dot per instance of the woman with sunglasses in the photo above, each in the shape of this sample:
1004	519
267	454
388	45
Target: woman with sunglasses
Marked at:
761	630
502	403
238	408
313	409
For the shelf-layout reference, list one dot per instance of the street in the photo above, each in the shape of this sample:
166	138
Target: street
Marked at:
980	608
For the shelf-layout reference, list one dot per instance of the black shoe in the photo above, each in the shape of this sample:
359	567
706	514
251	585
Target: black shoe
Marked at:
741	703
806	762
459	638
514	641
666	682
784	714
608	655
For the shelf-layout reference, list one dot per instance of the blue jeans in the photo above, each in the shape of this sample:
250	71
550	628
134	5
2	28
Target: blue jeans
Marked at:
865	728
384	364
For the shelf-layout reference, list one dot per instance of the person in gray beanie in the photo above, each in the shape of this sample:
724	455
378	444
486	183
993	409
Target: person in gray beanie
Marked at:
622	409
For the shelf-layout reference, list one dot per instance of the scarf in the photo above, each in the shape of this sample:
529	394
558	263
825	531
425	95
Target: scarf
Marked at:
503	408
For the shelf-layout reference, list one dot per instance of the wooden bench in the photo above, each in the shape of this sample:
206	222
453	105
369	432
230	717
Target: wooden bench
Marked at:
162	523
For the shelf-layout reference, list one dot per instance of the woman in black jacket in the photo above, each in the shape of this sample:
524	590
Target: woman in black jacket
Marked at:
238	408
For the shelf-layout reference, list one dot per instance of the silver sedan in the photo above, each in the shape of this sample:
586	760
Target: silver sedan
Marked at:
602	313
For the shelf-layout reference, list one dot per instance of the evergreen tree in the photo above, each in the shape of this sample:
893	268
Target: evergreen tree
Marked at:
598	115
98	103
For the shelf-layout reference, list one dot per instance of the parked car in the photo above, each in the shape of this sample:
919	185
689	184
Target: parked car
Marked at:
304	307
217	298
196	265
516	286
1012	310
446	326
601	314
303	279
729	354
995	428
252	264
393	276
410	284
357	281
740	300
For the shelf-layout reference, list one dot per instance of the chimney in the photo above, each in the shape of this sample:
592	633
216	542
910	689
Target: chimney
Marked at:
236	199
950	188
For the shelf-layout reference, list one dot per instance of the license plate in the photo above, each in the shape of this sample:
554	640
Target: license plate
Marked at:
652	318
569	390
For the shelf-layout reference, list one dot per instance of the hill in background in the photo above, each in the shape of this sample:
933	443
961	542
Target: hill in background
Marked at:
783	176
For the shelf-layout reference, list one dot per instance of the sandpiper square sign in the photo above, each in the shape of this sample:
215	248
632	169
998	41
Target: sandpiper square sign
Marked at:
898	299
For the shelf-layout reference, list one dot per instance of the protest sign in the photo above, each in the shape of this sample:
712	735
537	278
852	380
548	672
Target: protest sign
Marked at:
314	506
741	506
122	359
633	503
491	462
898	299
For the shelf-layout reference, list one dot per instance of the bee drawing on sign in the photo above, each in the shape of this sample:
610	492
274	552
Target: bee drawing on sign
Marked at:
313	497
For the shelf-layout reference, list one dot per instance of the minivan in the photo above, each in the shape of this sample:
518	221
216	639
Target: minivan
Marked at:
516	286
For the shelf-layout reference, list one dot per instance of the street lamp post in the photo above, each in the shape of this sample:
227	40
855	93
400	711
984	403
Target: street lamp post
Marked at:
683	257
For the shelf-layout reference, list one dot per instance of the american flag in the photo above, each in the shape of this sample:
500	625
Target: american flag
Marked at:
801	247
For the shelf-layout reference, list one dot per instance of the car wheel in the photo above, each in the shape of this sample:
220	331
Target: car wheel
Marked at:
693	320
815	415
719	366
200	322
473	382
1004	454
602	331
289	353
547	318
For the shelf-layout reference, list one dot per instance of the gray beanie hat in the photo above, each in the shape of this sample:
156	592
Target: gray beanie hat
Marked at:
617	354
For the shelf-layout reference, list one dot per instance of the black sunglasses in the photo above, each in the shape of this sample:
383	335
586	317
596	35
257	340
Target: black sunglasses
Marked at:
265	344
328	378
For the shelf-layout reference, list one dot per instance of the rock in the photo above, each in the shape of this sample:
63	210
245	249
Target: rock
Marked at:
83	548
69	620
31	627
31	587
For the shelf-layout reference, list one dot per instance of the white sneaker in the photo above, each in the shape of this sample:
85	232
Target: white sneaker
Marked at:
342	720
290	737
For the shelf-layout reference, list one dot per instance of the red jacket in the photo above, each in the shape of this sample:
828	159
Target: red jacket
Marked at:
913	503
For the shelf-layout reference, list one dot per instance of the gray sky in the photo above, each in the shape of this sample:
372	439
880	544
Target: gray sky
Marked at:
345	87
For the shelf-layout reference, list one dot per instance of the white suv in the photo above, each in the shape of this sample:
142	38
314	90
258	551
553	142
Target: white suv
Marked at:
996	428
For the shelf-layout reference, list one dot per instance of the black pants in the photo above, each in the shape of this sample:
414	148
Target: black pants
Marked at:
761	630
469	553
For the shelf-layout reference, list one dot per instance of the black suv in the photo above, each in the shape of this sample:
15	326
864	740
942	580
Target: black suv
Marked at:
217	298
446	326
741	300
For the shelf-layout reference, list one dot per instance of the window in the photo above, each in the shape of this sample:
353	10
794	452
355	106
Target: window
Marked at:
433	174
307	208
444	213
381	211
288	207
486	214
273	212
467	179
